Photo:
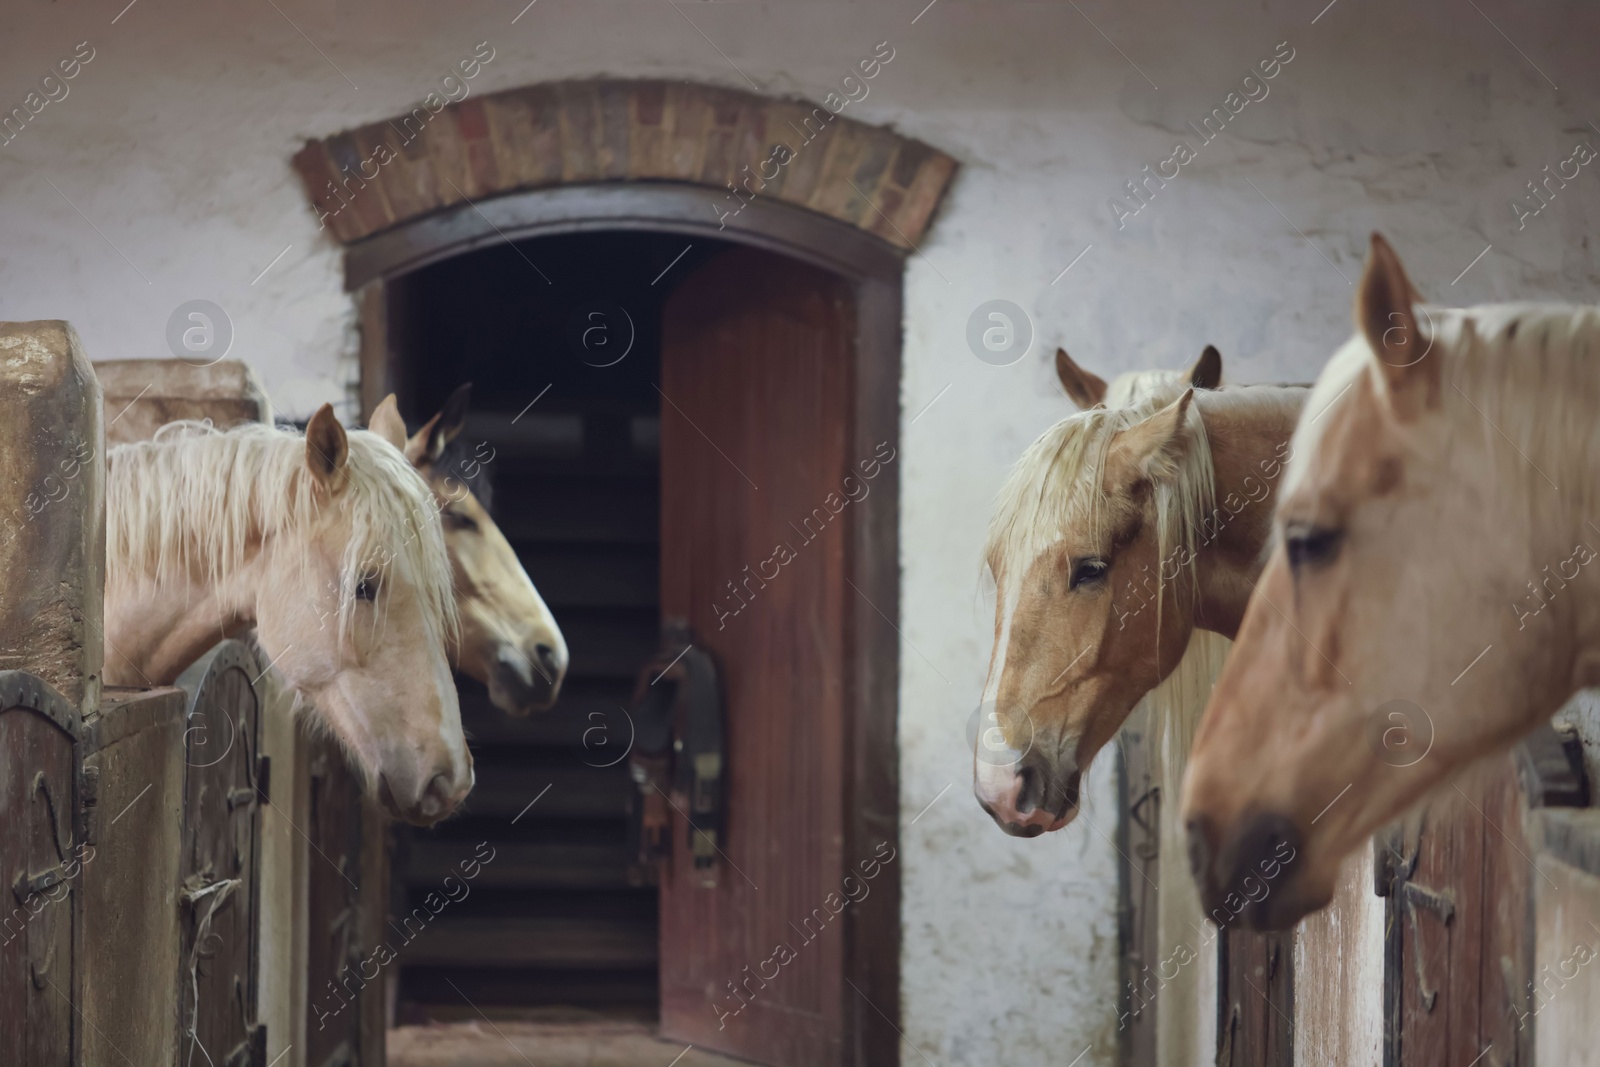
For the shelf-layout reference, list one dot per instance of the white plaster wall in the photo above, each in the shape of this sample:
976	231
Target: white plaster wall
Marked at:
174	145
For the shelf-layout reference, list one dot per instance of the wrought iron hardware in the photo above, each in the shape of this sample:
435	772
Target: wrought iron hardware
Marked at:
1413	898
677	758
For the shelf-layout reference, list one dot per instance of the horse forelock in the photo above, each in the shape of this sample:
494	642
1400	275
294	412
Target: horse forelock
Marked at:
1057	489
195	501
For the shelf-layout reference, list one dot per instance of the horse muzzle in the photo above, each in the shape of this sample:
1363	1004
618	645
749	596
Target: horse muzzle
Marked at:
522	681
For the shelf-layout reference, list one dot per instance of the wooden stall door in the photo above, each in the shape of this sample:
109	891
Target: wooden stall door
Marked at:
38	803
755	413
227	780
1461	988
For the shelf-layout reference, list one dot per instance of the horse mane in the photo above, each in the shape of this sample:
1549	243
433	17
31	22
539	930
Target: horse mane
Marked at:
192	501
1132	386
1524	370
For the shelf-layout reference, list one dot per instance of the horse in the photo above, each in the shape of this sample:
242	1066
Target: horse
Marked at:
1433	528
509	639
1088	390
1119	576
327	545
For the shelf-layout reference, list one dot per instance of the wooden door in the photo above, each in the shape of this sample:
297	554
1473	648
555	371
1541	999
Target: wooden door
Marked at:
39	861
336	989
219	936
756	407
1461	988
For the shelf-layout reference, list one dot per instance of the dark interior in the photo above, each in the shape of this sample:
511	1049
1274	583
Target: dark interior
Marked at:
561	922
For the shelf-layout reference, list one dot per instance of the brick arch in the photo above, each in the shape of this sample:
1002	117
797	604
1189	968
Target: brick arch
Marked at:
370	179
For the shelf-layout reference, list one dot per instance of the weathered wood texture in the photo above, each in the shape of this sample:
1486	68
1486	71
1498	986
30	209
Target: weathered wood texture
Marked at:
1338	973
1566	981
134	767
1139	877
1256	981
338	995
142	395
40	863
373	178
1462	981
52	510
757	355
219	874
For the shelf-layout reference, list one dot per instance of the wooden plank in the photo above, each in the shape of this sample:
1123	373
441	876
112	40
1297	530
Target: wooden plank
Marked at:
577	512
52	510
563	941
335	987
505	790
526	866
756	355
39	853
1461	956
134	758
590	576
143	395
219	888
1138	878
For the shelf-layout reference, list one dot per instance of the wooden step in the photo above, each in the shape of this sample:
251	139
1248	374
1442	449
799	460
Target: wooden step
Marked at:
524	865
560	792
590	715
556	941
578	511
595	576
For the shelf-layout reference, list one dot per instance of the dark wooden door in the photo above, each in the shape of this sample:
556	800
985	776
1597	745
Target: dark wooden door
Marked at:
1256	985
219	932
1459	977
39	858
336	989
755	447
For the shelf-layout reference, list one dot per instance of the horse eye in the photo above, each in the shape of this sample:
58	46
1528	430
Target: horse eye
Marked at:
1088	569
1311	546
367	589
457	520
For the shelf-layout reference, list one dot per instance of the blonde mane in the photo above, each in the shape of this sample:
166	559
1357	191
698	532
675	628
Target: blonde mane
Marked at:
193	502
1057	485
1525	370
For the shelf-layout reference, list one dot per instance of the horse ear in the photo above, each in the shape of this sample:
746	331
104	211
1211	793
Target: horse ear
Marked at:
387	423
327	449
427	444
1386	316
1085	389
1150	450
1206	372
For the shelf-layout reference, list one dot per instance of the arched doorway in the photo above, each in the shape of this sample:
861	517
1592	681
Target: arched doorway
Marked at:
804	317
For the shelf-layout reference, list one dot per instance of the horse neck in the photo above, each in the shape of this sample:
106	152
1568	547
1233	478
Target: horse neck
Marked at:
154	630
1249	434
156	625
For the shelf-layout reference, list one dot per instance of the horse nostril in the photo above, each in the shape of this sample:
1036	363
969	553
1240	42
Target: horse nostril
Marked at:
1267	842
1030	789
549	662
437	798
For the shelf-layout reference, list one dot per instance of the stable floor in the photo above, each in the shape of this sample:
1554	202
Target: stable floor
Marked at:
517	1044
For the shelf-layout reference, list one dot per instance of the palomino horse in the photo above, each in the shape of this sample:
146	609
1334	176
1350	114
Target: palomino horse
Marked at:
1115	566
1435	523
327	546
509	640
1089	390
